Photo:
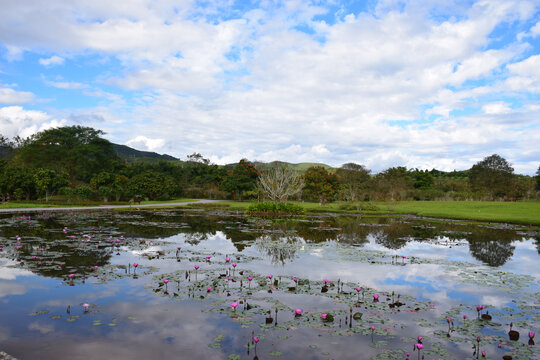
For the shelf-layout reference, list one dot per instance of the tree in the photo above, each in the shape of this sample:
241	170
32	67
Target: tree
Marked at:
538	179
422	179
197	158
14	178
49	181
153	185
353	178
103	183
493	175
280	182
80	151
320	184
243	177
394	181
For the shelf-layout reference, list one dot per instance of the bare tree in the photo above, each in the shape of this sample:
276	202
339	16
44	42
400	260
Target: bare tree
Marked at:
280	182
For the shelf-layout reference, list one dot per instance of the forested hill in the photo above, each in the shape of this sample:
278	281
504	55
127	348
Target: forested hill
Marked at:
124	151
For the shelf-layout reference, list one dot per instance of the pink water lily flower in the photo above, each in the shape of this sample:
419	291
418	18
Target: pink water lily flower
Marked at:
234	305
531	335
255	339
298	311
323	316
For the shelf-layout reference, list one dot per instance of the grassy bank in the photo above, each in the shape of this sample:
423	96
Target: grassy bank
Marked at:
23	205
527	212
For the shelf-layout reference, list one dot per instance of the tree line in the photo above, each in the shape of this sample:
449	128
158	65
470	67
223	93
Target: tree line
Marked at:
76	163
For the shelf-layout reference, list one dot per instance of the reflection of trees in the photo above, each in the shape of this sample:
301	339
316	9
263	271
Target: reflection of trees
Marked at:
393	236
353	231
492	247
69	254
316	232
279	247
195	238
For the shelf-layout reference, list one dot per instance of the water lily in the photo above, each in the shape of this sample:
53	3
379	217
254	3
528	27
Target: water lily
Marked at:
323	316
375	297
358	289
531	335
234	305
298	312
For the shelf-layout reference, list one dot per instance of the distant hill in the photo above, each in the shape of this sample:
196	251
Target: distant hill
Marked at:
126	152
300	167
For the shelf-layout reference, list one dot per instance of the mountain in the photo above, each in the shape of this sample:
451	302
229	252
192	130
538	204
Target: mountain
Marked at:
300	167
126	152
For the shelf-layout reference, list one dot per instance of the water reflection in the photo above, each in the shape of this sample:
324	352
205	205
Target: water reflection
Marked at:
139	322
491	246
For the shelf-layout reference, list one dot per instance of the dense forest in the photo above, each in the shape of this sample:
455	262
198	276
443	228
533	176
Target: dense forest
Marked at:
77	164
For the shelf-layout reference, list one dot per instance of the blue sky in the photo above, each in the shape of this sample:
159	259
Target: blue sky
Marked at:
380	83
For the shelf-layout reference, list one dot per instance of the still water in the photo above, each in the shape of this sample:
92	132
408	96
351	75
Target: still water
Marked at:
207	283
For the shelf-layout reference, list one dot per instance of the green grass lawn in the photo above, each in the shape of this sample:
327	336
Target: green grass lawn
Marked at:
18	205
527	213
166	201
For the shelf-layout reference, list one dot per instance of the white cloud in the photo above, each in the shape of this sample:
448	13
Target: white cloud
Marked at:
53	60
69	85
9	96
496	108
16	121
383	88
146	143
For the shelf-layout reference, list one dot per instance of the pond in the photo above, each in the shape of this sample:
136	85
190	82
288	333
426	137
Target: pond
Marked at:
200	284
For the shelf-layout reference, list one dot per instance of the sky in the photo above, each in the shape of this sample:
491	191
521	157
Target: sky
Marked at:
437	84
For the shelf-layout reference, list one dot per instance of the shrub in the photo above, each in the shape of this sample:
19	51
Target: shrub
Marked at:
271	208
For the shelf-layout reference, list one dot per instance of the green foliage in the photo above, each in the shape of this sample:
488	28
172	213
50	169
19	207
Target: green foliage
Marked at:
243	177
354	179
79	151
48	181
538	179
422	179
274	208
320	184
15	178
154	186
83	192
394	183
493	175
